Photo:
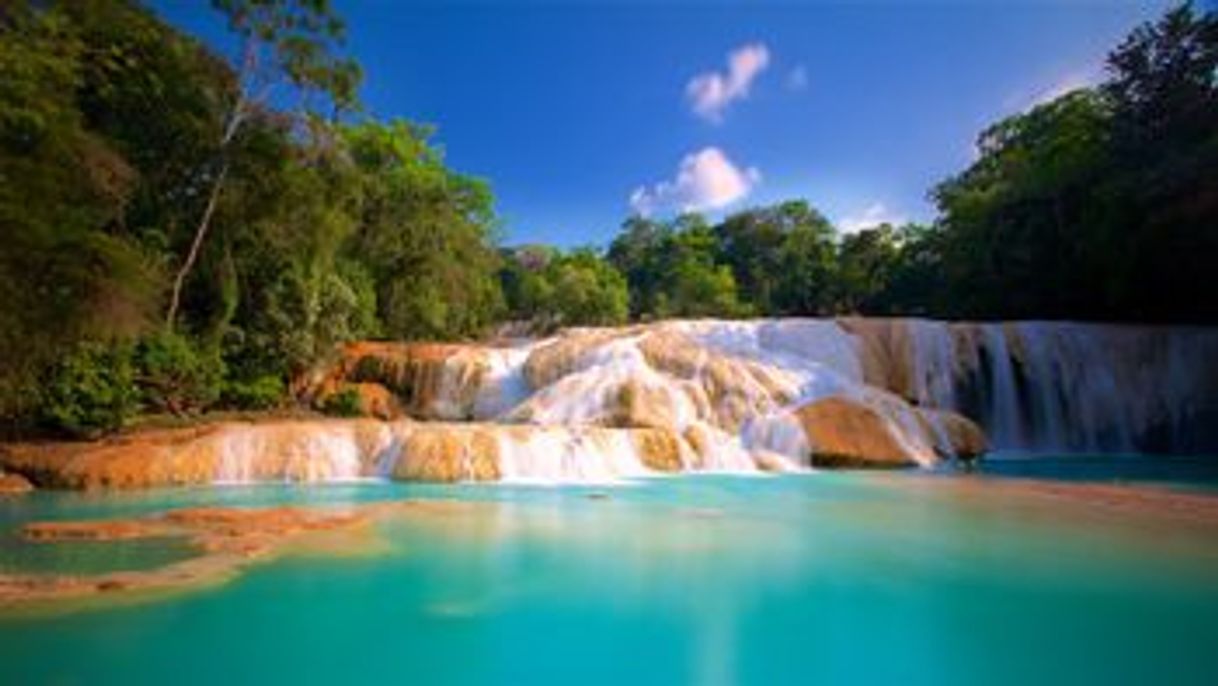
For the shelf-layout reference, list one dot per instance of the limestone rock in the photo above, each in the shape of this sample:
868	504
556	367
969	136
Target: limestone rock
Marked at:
440	452
657	449
13	484
564	354
375	400
278	450
426	380
846	433
966	437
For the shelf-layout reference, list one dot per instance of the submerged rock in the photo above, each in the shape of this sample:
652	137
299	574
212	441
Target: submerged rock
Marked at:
224	540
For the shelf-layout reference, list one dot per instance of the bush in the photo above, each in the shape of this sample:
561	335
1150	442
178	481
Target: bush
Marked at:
175	376
345	403
91	390
261	393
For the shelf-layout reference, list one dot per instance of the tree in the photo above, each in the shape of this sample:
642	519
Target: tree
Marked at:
865	263
586	291
1162	84
916	282
281	40
527	292
692	283
756	243
1163	96
1102	204
67	273
805	271
1020	222
549	288
425	233
636	252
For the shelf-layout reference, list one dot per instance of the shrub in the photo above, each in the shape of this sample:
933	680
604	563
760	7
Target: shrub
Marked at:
175	376
345	403
261	393
91	390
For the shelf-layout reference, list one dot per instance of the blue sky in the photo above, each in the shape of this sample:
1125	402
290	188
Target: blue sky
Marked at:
574	109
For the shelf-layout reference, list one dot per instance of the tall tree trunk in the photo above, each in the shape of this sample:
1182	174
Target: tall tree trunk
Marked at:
196	246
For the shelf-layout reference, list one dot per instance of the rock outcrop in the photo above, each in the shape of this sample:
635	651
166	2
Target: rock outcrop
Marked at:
224	541
424	380
291	450
853	432
336	449
966	439
14	484
845	433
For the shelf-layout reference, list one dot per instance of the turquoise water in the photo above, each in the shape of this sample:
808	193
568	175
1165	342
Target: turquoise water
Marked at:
823	578
1190	471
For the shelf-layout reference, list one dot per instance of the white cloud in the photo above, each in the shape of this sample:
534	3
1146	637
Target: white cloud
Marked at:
705	180
711	92
873	215
797	78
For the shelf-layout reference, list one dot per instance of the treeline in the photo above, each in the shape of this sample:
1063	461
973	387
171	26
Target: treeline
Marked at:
184	232
1099	205
1102	204
771	261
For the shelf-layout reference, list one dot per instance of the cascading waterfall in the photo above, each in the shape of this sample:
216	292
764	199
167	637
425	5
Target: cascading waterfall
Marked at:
934	363
1003	419
1072	387
296	452
602	405
555	455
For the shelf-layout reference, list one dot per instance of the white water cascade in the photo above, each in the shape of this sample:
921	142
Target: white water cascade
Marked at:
1072	387
598	405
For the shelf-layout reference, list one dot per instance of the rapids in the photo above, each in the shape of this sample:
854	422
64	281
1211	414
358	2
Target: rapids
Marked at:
599	405
735	394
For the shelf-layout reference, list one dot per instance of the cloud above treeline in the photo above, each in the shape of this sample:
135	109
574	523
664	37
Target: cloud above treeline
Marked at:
711	92
705	180
871	216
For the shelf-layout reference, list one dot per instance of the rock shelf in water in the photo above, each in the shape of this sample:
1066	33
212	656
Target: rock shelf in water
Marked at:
226	540
229	540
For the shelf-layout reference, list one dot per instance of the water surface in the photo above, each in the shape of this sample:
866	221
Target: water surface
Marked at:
821	578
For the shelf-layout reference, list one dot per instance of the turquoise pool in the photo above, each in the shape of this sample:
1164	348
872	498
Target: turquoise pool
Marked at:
820	578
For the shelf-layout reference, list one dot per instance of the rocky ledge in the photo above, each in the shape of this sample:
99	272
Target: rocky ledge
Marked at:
225	541
843	433
14	484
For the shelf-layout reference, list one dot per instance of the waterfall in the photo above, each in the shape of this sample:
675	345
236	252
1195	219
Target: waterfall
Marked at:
557	455
602	405
934	363
1072	387
295	451
1003	420
503	385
